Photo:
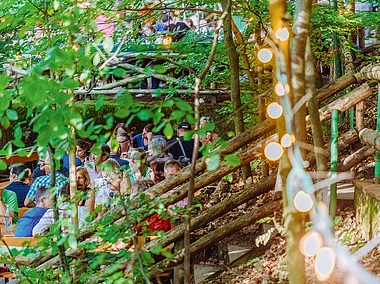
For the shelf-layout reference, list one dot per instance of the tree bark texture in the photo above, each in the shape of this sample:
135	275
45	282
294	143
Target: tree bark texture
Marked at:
370	137
233	57
339	85
359	116
371	72
346	102
298	55
356	157
315	122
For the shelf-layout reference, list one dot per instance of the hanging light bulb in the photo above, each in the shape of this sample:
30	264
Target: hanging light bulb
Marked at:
310	243
273	151
287	140
303	201
280	89
324	263
274	110
282	34
265	55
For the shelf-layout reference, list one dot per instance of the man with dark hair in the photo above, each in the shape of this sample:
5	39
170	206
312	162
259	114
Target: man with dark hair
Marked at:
178	29
182	148
142	140
17	176
44	181
34	215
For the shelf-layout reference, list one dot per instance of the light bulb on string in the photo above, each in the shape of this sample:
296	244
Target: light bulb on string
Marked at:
310	243
287	140
303	201
167	41
275	110
324	263
279	89
273	151
282	34
265	55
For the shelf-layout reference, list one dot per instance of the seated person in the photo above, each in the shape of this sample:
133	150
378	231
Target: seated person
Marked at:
34	215
142	140
83	185
8	206
171	167
154	222
109	184
17	176
64	212
44	181
137	165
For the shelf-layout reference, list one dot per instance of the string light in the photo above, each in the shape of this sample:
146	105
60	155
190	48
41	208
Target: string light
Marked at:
303	201
265	55
287	140
324	263
274	110
310	243
282	34
279	89
167	41
273	151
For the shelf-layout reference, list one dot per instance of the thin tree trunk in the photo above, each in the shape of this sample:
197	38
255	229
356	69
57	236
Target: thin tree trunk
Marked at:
356	157
316	126
233	57
299	43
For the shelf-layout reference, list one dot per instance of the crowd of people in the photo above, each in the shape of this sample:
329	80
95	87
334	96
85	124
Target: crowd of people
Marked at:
138	163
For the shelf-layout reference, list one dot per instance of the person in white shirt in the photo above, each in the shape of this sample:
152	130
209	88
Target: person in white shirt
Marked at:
64	213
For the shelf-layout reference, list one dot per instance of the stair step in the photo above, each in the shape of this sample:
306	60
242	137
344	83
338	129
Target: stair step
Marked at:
235	252
201	272
345	191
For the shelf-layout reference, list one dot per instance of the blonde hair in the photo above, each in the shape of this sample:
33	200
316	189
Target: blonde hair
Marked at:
85	174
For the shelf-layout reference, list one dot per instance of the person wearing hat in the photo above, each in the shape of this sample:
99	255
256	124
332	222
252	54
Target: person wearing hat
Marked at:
188	145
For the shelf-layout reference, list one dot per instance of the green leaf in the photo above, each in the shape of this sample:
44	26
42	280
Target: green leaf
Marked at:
8	151
168	130
96	59
232	160
108	44
70	84
157	249
11	114
230	134
99	103
213	162
56	4
3	165
119	72
72	240
184	106
168	103
122	112
143	115
5	122
159	68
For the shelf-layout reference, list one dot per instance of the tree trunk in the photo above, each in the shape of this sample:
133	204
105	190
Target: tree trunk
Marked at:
346	102
355	158
370	137
339	85
233	57
359	116
315	122
299	43
371	72
220	233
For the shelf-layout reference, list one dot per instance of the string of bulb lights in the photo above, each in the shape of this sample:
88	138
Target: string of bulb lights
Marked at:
320	242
